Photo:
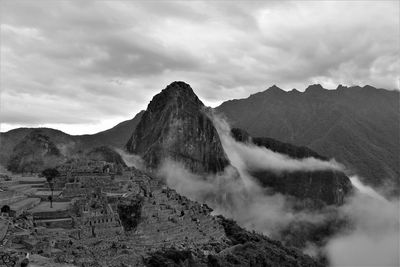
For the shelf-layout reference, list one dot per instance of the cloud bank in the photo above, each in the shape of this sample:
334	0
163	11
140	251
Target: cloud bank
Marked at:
235	193
85	66
374	240
253	157
370	239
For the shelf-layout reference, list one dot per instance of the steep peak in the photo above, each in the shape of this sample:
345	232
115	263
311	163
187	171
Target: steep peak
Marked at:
314	88
177	92
341	87
175	126
275	89
179	87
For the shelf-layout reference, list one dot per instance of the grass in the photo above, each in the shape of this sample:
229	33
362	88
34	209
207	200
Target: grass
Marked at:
45	206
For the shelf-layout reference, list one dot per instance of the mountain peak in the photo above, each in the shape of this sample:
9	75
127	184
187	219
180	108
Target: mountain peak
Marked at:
275	89
178	86
369	87
175	126
179	93
341	87
314	88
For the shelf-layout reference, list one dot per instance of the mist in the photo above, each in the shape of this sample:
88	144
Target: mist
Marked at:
374	238
131	160
260	158
370	239
234	193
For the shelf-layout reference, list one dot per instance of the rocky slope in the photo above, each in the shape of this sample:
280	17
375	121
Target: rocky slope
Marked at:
358	126
163	228
175	126
321	187
245	249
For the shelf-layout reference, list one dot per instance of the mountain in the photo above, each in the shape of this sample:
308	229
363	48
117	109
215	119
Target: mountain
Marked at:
114	137
290	150
358	126
176	126
321	187
69	144
34	153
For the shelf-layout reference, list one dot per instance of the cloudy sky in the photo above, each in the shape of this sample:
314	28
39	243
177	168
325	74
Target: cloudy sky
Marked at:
84	66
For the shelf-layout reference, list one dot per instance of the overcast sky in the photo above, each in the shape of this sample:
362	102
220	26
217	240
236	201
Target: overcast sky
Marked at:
84	66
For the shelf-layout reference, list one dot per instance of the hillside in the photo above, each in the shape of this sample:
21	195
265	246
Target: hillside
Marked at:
34	153
114	137
321	187
358	126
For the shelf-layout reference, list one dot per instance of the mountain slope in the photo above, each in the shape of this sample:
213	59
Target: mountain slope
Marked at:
321	187
114	137
34	153
358	126
175	126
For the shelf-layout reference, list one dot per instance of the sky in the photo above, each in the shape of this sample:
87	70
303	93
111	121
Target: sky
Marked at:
85	66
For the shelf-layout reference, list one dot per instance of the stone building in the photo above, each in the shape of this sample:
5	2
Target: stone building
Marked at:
96	217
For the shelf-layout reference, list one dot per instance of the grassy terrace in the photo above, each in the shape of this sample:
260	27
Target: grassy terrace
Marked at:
45	206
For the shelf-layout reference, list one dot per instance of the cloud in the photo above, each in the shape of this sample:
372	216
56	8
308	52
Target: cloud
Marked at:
374	241
253	158
235	193
370	237
108	58
131	160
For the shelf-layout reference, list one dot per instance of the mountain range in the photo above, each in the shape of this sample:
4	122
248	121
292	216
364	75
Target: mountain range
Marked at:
342	124
358	126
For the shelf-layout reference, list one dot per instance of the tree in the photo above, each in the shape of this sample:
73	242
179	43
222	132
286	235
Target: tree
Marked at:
50	174
5	209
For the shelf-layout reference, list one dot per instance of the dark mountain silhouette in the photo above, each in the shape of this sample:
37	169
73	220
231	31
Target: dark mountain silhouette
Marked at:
176	126
114	137
358	126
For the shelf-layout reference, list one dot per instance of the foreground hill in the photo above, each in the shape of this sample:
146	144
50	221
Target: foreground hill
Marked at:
358	126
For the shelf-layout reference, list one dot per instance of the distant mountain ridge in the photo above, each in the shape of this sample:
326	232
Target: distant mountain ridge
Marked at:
358	126
114	137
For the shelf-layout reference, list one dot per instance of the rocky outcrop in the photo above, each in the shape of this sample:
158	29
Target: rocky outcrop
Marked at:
321	187
176	126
